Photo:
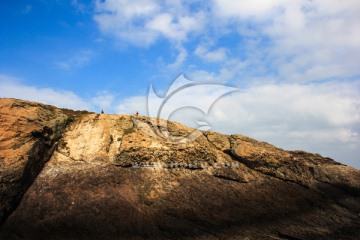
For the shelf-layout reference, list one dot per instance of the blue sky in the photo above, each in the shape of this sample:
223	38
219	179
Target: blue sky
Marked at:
295	62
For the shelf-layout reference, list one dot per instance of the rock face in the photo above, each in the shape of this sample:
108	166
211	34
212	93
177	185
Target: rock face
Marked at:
78	175
28	135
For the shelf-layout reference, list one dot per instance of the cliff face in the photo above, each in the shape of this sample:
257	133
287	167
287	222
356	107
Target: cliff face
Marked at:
28	135
77	175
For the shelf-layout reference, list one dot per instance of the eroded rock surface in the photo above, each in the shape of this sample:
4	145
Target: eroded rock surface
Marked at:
107	178
28	135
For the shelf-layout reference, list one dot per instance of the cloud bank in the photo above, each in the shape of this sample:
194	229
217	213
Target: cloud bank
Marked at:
13	87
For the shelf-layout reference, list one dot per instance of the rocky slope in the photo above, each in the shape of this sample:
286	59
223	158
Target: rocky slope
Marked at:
79	175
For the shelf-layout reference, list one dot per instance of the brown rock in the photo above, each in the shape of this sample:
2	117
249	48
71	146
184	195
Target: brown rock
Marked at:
28	134
111	177
220	141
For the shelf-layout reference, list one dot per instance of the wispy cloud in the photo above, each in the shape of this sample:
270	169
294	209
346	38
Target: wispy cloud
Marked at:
179	60
217	55
78	60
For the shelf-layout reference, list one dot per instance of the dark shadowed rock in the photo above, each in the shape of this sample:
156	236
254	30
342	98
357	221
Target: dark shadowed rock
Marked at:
106	178
29	132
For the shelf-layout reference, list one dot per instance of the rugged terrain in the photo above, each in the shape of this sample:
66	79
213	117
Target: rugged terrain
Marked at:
77	175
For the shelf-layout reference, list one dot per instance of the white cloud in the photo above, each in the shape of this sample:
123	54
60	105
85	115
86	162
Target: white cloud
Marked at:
327	43
104	101
247	8
302	107
128	9
304	40
132	105
298	40
12	88
142	22
176	30
223	76
125	19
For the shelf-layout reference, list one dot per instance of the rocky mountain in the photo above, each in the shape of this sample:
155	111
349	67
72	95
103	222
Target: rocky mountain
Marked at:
77	175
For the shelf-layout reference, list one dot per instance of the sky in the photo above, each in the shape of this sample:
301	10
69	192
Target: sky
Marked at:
295	63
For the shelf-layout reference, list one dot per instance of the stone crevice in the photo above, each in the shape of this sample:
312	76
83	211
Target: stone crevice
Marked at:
246	163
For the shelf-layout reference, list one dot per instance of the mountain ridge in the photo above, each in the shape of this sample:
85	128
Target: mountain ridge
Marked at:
79	175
